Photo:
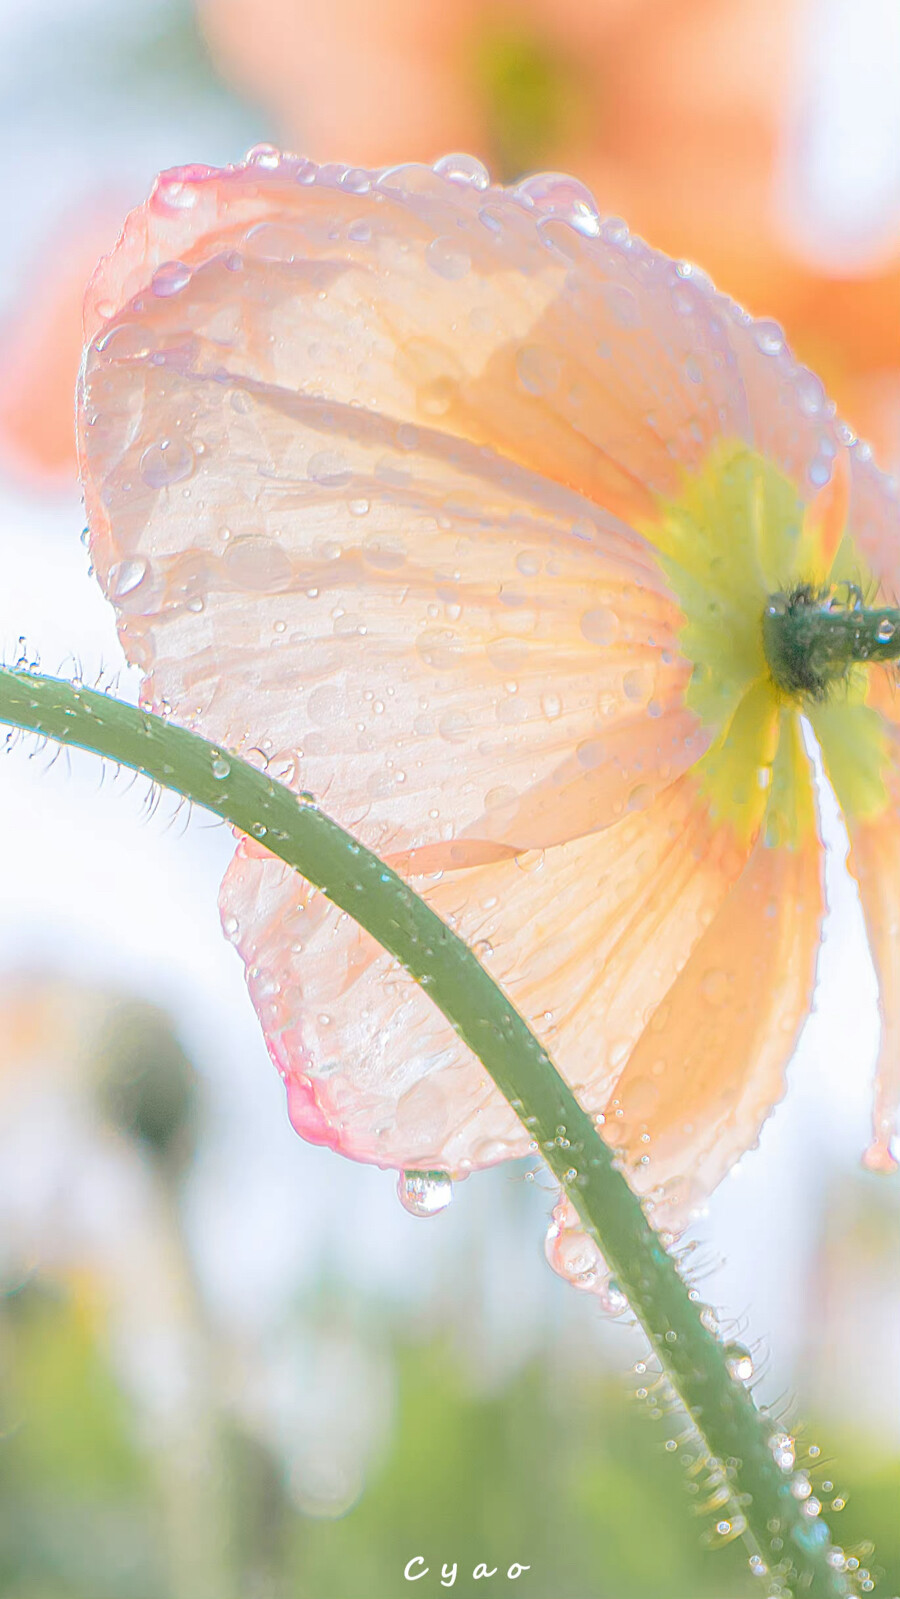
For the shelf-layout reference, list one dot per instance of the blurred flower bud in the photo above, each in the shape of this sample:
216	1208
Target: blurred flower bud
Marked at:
147	1085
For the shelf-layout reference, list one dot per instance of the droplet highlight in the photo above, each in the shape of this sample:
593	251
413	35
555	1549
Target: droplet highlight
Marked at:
424	1193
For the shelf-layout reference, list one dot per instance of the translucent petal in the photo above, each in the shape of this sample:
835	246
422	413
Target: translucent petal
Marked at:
710	1065
284	511
874	861
366	460
861	754
586	940
860	746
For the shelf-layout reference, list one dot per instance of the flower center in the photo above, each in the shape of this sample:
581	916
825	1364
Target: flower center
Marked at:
812	636
771	588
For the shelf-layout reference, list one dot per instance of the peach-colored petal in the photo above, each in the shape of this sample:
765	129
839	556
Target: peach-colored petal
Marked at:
508	317
507	620
873	522
865	776
710	1064
874	861
310	416
865	773
586	940
709	1067
365	457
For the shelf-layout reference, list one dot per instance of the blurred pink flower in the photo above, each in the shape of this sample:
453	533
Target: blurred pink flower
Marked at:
462	506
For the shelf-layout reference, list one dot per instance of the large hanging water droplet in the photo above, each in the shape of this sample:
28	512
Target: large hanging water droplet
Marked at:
424	1193
739	1362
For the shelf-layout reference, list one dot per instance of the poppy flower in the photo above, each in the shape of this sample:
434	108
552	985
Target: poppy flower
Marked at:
462	508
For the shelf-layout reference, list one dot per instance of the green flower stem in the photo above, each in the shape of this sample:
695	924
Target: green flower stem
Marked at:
749	1490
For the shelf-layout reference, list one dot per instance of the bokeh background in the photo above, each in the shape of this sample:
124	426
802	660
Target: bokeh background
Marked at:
231	1366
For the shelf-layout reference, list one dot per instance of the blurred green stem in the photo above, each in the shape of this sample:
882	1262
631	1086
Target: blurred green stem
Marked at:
195	1524
750	1490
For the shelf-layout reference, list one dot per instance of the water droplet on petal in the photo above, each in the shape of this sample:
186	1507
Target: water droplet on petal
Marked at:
176	193
555	195
599	625
257	563
329	467
530	860
528	562
462	169
265	156
424	1193
169	279
768	337
538	368
126	576
446	257
714	986
357	180
127	341
170	461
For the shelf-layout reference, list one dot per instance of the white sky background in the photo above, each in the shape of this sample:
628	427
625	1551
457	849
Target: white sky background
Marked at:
839	191
91	887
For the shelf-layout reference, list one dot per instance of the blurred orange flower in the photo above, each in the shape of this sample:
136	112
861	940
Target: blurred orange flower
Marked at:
674	112
41	338
463	507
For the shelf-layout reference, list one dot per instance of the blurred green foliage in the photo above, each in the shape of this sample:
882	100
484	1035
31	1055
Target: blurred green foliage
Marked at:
533	98
75	1520
556	1469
